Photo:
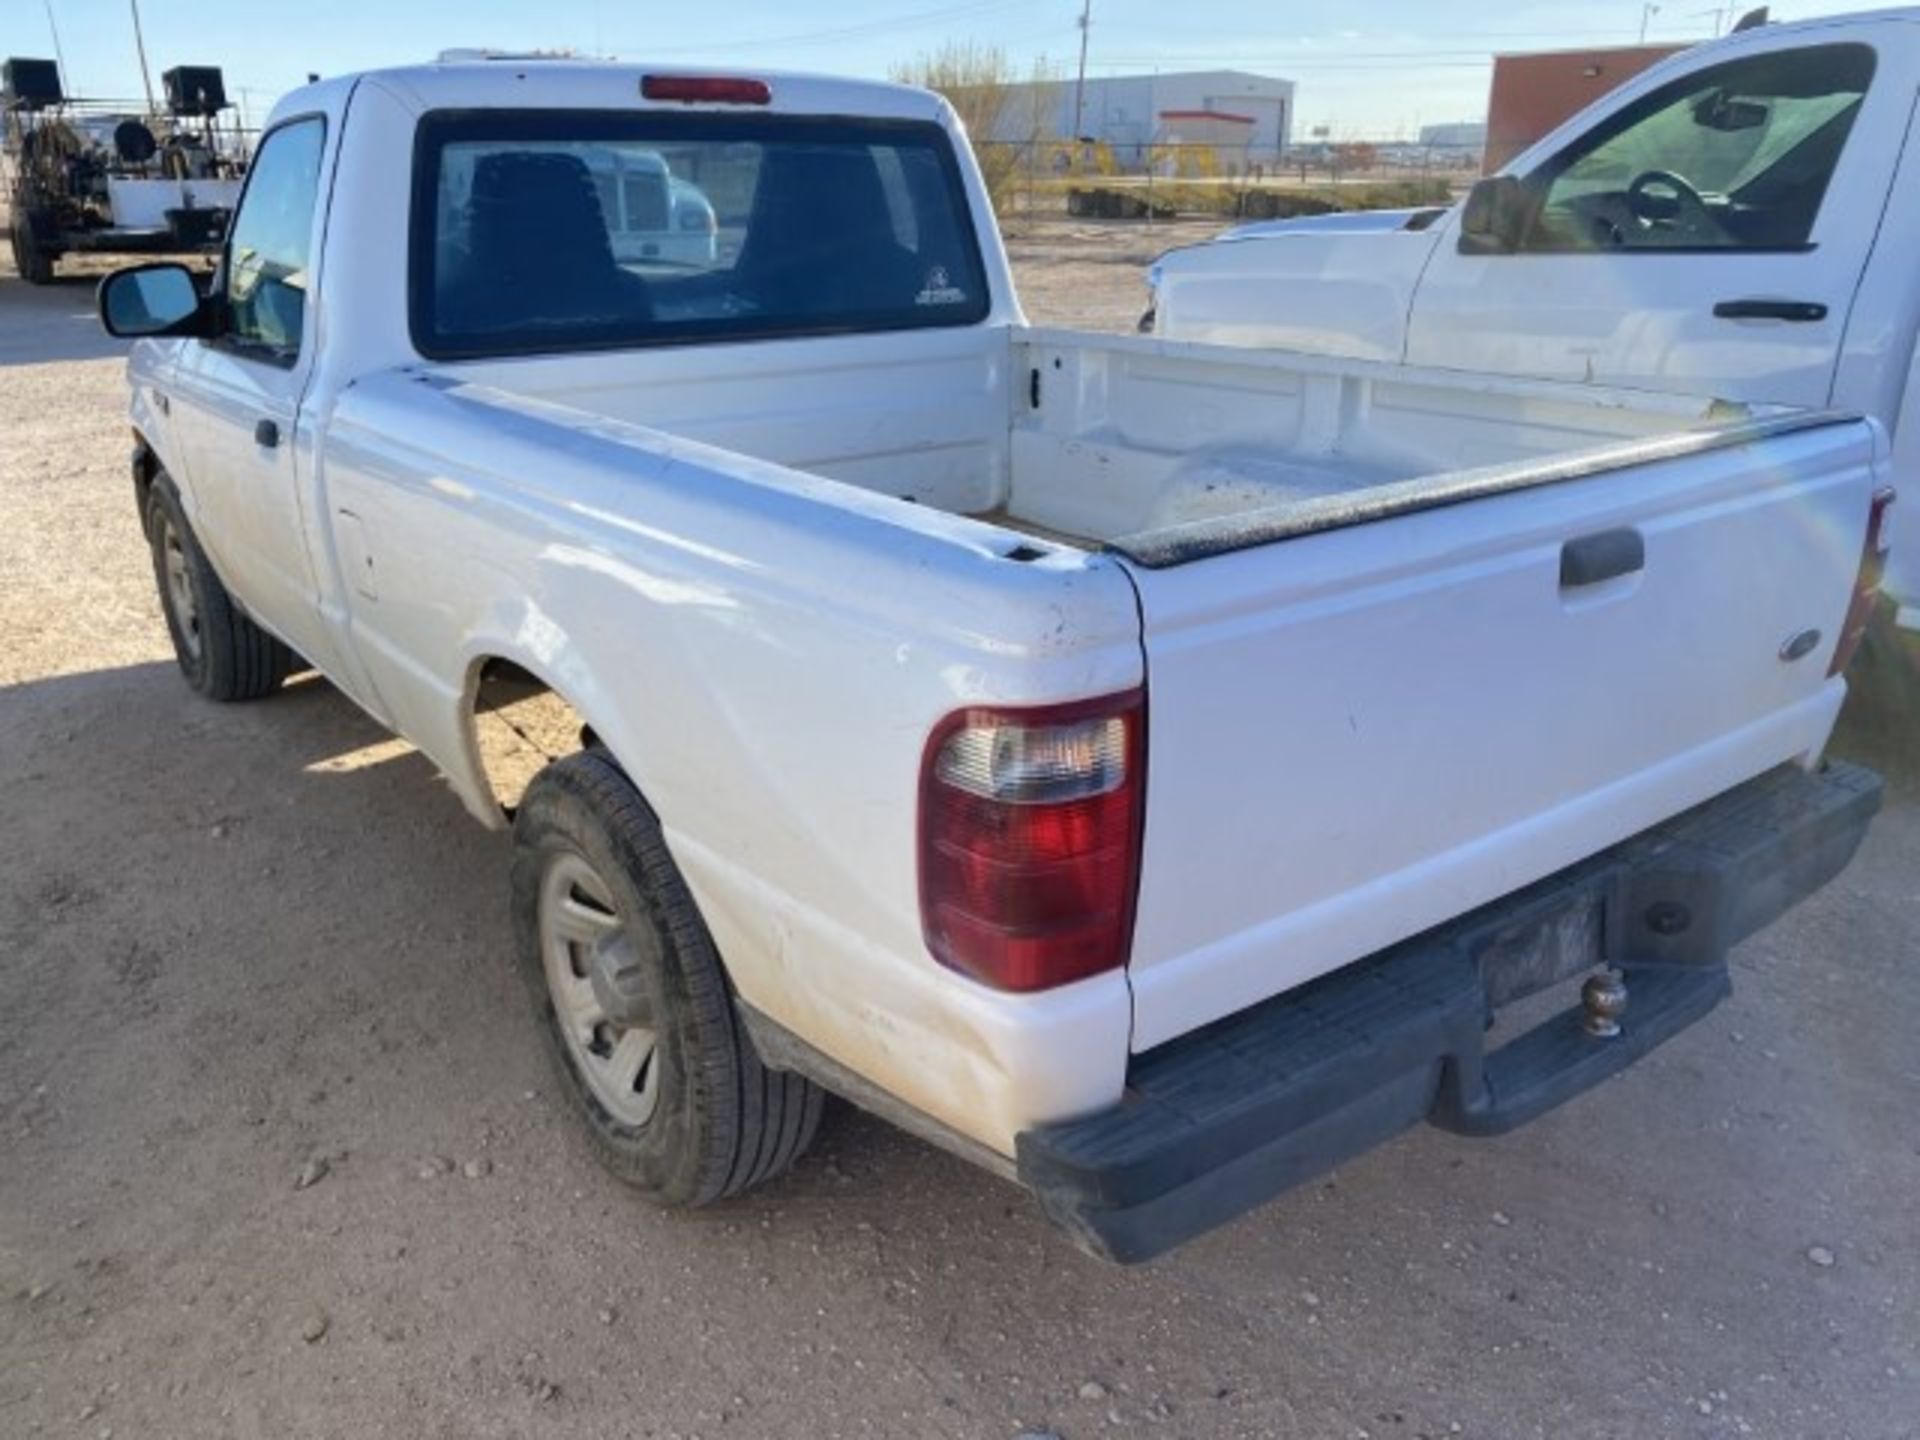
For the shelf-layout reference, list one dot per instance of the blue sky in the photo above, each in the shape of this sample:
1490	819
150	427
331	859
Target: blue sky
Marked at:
1371	68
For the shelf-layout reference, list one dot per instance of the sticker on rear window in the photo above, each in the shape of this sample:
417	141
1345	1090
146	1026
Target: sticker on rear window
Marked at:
939	290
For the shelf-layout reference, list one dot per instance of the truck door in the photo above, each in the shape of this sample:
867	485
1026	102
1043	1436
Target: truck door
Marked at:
236	397
1706	234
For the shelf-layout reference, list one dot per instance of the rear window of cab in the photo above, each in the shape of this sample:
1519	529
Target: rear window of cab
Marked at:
548	231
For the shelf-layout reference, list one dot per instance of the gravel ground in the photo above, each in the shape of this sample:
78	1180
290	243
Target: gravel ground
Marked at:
246	947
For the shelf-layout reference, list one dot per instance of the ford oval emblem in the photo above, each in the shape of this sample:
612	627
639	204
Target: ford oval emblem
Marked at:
1799	645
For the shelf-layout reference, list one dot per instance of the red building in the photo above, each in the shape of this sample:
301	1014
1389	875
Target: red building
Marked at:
1533	93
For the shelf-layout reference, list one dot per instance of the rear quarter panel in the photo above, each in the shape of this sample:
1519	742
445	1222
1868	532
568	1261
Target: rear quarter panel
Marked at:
765	653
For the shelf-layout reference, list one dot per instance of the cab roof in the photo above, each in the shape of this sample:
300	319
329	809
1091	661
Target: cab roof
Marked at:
479	80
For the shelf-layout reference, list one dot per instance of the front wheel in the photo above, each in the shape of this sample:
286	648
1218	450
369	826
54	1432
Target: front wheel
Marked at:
223	654
632	999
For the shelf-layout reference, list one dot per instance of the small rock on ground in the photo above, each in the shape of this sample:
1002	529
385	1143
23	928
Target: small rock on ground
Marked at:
1093	1390
474	1169
312	1173
1820	1255
314	1327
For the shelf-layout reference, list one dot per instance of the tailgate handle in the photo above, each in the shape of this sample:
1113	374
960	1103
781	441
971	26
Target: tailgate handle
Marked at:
1593	558
1803	311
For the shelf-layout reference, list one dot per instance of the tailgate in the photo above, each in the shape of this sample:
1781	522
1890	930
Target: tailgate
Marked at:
1364	721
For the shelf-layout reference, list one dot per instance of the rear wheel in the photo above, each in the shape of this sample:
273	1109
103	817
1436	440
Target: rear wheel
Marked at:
631	997
34	264
223	654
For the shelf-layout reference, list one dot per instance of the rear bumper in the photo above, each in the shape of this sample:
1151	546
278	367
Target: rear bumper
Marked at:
1225	1118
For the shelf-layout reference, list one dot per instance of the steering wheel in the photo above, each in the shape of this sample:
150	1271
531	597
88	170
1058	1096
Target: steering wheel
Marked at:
1681	200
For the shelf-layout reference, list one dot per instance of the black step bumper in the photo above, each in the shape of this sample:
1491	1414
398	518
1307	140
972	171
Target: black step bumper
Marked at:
1225	1118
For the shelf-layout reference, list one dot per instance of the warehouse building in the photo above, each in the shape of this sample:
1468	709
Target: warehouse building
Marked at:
1248	118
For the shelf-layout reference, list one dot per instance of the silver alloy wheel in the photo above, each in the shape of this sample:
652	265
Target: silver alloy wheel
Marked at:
588	949
180	597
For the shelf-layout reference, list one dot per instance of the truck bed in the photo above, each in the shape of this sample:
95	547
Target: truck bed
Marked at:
1084	441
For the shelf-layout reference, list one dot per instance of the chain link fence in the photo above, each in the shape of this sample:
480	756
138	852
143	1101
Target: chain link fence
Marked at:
1037	180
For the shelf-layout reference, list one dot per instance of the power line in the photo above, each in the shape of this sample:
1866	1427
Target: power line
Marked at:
1585	34
1165	62
1331	57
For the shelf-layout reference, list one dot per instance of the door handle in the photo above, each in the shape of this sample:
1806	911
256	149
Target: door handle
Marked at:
1801	311
1605	556
266	434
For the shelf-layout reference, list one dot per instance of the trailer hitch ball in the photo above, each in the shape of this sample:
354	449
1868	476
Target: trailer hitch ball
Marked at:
1603	1000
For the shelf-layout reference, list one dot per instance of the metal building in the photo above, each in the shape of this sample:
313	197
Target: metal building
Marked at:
1249	115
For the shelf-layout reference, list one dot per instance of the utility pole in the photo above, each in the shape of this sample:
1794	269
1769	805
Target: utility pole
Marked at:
1080	83
1647	12
140	44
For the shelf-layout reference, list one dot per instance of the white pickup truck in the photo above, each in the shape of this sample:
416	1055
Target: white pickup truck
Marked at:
1740	220
1144	768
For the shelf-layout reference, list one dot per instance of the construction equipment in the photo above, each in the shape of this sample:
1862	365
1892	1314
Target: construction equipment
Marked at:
115	177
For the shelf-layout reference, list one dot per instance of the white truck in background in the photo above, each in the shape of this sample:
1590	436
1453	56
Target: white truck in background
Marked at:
1740	220
1143	767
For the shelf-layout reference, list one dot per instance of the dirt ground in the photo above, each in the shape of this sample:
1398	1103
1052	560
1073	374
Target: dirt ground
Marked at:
237	941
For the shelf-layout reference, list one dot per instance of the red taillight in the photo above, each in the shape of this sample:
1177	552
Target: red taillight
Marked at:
1030	840
1866	589
706	89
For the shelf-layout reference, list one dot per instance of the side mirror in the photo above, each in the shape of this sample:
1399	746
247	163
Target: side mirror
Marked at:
1495	218
147	301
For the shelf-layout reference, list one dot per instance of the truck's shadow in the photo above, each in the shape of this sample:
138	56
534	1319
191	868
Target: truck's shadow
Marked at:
287	872
280	894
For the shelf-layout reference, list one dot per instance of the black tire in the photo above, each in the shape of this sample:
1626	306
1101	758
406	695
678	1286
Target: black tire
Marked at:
223	654
720	1121
34	264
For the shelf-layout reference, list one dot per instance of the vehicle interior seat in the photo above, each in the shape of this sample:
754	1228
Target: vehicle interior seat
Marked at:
821	237
537	252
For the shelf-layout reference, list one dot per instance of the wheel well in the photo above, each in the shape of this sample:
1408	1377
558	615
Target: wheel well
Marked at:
521	724
146	465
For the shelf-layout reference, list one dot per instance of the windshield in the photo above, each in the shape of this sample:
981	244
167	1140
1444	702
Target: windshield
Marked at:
545	231
1736	156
